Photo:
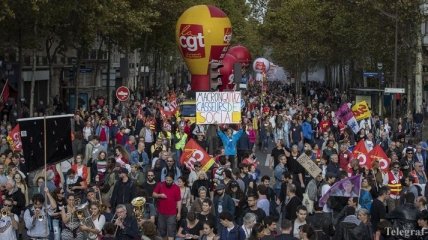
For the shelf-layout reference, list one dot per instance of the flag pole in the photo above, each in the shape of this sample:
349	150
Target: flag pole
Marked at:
4	87
45	156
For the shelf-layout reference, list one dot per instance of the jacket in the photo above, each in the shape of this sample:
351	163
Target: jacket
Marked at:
227	204
307	130
237	233
135	158
230	143
123	193
351	229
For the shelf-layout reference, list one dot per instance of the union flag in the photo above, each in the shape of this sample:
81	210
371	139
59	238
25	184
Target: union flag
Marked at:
360	153
377	154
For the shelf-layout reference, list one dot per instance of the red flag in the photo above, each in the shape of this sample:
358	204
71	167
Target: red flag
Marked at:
377	153
5	93
14	139
360	152
194	153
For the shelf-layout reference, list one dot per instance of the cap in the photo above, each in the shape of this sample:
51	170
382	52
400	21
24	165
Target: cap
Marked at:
123	170
234	184
220	186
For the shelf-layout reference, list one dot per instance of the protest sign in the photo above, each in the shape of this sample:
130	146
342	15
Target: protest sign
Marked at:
348	187
309	165
218	107
194	153
14	139
361	110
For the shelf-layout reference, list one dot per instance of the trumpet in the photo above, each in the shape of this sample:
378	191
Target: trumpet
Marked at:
40	216
89	223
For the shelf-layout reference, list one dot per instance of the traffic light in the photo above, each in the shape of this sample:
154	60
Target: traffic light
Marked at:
215	75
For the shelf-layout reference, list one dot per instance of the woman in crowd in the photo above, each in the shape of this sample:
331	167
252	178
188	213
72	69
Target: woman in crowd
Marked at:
98	221
121	155
21	185
197	203
80	169
191	228
202	181
101	166
185	196
365	199
208	231
364	216
71	227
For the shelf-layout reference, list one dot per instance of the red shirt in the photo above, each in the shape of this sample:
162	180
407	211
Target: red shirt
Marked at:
344	159
168	205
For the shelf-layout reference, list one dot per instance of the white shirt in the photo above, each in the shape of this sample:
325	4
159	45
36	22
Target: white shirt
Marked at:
99	223
324	190
6	229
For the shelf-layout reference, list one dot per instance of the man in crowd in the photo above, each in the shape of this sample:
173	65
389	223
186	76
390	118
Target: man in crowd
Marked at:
168	199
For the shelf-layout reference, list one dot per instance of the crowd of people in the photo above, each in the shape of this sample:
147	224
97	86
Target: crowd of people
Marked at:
128	181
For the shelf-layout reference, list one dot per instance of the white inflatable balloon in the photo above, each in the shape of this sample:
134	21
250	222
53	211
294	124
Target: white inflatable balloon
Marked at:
261	65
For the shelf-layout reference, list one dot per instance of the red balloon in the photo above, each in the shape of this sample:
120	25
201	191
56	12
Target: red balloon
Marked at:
241	53
227	72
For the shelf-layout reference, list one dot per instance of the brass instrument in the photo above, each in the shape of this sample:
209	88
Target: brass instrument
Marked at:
138	203
90	224
5	212
40	217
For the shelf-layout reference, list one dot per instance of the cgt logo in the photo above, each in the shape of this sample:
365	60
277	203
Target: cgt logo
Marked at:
191	40
227	35
197	156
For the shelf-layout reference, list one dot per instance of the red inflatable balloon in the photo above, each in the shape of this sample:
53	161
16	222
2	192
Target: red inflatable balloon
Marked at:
241	53
227	72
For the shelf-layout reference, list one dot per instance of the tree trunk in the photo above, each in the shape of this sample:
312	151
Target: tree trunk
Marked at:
76	77
33	82
97	67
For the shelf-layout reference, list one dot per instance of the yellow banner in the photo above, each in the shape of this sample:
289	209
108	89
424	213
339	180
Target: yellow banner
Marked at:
361	110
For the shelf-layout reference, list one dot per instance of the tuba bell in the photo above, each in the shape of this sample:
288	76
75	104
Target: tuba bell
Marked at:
4	212
138	204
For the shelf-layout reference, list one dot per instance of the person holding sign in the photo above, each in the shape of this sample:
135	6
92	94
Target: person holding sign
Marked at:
229	141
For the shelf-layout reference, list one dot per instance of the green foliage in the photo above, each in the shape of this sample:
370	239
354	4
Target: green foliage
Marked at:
304	32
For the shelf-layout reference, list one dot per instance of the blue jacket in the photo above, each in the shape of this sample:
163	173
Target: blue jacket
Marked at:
135	158
307	130
227	204
230	143
237	233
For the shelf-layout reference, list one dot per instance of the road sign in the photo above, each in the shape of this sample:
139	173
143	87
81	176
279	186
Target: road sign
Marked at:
122	93
86	70
395	90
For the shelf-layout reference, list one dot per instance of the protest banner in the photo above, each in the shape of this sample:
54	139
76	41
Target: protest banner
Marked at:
348	187
309	165
218	107
14	139
377	154
345	114
360	153
193	153
361	110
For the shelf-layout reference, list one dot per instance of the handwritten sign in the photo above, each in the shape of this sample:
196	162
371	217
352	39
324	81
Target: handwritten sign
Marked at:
220	107
309	165
361	110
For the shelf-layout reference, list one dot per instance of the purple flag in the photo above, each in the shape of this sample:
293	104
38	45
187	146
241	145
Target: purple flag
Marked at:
344	113
348	187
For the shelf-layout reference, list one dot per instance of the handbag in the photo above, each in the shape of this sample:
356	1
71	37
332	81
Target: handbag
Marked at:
309	204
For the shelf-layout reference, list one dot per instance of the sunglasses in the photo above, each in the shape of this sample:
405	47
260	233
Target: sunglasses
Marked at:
150	175
7	205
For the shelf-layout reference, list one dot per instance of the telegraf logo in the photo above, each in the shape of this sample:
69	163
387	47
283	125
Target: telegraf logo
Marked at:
406	233
191	40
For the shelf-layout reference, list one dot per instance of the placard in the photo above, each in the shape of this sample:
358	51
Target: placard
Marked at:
309	165
218	107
